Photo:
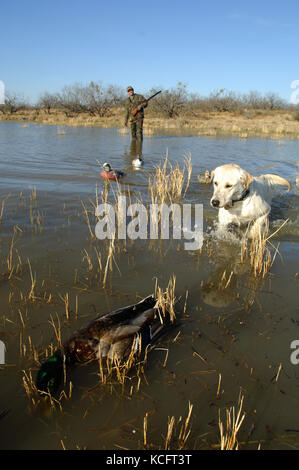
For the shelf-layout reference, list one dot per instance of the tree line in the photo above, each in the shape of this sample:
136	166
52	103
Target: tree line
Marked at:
99	100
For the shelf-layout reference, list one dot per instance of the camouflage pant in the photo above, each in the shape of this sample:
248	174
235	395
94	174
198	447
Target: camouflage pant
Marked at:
137	128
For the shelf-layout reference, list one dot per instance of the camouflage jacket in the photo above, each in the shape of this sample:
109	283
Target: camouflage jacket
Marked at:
131	103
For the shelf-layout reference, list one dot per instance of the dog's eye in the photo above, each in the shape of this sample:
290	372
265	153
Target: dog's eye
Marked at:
228	185
215	183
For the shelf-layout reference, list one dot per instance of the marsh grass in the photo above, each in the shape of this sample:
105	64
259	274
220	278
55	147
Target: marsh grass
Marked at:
110	261
32	353
170	183
92	235
207	121
177	433
231	426
183	430
35	216
113	371
31	296
13	260
28	350
100	264
257	249
3	202
45	400
65	299
225	280
166	300
37	398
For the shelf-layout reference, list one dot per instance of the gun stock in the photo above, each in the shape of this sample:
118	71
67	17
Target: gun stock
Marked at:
135	110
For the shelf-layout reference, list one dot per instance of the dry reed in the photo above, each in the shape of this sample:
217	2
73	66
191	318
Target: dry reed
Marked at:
177	435
170	183
2	208
166	300
258	251
38	398
229	430
114	371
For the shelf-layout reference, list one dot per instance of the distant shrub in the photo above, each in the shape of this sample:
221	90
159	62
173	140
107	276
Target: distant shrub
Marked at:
220	101
255	100
49	101
93	98
170	103
296	115
13	103
99	100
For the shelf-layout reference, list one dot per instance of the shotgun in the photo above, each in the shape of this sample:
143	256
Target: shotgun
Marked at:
135	110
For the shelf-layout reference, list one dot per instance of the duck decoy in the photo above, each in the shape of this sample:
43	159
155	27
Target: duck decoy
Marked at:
111	336
137	162
110	174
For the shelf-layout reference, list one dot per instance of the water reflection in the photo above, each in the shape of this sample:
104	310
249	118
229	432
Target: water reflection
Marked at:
136	148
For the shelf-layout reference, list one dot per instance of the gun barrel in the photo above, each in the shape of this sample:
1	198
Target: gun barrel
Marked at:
153	95
134	112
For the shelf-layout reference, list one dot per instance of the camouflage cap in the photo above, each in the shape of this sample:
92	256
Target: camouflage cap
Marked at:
130	88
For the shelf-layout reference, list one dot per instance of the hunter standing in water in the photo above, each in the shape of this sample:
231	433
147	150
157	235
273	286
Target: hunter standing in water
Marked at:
135	103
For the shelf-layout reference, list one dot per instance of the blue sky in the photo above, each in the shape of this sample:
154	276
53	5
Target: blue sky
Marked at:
207	45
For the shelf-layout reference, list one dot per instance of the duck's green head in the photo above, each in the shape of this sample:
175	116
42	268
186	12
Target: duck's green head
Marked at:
107	167
50	374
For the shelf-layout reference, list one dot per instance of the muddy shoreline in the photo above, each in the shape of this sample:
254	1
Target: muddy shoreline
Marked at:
252	123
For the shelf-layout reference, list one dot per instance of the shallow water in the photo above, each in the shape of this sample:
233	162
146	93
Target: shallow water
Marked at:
242	332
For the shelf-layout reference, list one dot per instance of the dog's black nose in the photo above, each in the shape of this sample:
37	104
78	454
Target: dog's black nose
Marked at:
215	203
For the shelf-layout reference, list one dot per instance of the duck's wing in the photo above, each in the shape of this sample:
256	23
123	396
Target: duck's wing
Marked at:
118	339
113	333
128	315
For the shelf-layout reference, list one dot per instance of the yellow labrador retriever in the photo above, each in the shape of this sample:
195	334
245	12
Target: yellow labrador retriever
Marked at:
243	199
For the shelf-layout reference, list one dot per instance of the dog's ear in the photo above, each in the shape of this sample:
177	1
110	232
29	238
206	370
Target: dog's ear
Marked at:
212	176
246	179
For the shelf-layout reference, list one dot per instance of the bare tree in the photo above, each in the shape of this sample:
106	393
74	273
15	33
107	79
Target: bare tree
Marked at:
170	103
13	103
48	101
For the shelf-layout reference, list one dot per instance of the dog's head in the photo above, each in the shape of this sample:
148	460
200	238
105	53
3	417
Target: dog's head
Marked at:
230	184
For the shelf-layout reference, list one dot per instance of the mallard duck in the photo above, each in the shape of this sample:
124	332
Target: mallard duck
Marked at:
110	174
110	336
138	162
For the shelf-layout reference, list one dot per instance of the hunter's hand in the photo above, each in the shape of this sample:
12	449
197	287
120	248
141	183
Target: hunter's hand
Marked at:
139	107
